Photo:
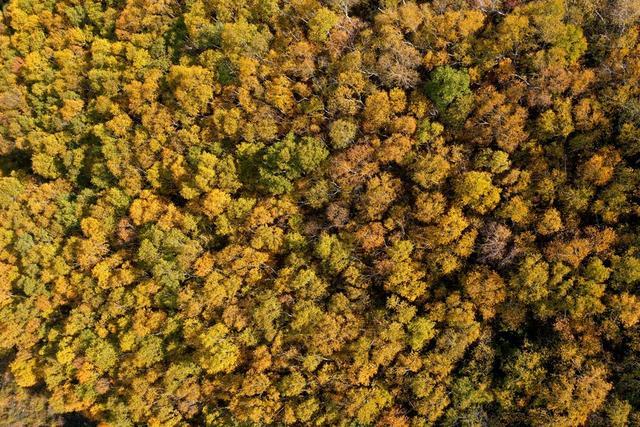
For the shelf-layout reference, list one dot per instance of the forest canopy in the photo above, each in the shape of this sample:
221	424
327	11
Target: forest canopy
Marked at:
397	213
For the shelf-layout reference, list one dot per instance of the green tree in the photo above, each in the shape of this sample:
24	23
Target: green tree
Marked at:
446	85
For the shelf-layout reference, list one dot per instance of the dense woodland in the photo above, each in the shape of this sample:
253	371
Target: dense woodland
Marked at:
320	212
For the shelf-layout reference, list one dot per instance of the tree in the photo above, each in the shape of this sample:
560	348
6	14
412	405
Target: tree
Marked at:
475	189
516	210
219	353
599	169
377	111
550	222
531	279
397	62
366	403
403	275
430	170
293	384
284	161
321	23
191	87
627	308
624	12
342	133
334	254
381	192
486	289
421	330
429	206
447	85
626	269
23	370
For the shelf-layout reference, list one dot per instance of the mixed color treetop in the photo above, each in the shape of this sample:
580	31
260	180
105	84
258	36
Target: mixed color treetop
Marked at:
320	212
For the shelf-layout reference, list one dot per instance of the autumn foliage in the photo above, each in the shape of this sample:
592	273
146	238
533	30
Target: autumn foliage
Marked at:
320	212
